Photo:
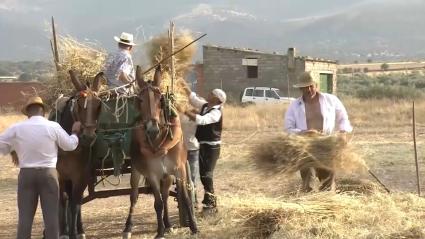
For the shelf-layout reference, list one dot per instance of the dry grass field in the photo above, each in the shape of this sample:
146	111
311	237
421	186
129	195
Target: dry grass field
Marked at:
254	206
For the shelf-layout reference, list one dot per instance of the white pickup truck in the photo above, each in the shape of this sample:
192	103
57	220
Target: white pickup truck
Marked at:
259	95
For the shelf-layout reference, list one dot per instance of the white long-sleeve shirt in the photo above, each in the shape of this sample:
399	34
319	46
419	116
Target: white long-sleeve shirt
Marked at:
333	112
36	141
189	130
209	118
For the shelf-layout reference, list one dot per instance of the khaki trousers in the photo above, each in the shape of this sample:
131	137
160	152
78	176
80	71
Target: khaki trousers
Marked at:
326	178
35	183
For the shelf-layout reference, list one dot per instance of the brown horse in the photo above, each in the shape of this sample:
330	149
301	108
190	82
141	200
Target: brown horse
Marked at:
159	154
74	167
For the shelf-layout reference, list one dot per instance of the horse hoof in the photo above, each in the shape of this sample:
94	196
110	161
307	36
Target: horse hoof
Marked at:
64	237
126	235
81	236
194	231
169	230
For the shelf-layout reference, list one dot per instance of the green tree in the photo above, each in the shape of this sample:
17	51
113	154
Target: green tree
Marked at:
385	67
25	77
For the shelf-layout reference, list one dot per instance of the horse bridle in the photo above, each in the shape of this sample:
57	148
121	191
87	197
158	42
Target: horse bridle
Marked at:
152	90
75	107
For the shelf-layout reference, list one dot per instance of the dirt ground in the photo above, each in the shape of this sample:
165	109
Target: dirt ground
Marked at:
388	153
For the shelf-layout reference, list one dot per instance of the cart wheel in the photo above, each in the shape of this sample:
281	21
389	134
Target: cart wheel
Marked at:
183	213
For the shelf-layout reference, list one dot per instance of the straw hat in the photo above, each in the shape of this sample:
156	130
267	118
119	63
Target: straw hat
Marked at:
304	80
125	38
220	95
35	100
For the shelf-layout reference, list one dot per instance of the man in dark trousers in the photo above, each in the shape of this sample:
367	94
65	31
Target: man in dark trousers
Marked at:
36	141
209	123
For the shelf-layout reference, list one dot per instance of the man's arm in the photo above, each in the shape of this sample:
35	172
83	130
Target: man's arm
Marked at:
209	118
341	117
123	77
6	141
65	141
196	101
290	125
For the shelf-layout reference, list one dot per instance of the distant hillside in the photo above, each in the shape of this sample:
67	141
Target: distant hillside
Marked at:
381	30
26	70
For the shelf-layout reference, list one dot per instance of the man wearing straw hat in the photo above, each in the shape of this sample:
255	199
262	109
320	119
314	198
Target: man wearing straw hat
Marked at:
36	141
209	123
119	69
316	112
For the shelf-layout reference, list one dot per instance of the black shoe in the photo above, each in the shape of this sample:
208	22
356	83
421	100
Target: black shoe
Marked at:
210	200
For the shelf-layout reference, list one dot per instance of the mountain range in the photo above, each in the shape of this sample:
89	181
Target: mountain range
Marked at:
344	30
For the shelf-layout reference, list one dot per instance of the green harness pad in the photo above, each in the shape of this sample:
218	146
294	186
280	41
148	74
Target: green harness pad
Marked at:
114	133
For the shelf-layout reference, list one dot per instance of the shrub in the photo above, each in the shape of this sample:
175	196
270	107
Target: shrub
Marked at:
391	92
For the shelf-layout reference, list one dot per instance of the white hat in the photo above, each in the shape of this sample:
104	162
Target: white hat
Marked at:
125	38
220	95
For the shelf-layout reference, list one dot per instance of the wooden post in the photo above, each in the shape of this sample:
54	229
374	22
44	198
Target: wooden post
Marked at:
172	59
55	45
416	151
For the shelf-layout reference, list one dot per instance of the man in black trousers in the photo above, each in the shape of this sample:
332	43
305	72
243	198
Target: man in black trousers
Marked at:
209	126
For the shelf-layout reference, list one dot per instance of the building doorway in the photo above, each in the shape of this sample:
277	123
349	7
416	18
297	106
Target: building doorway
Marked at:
326	83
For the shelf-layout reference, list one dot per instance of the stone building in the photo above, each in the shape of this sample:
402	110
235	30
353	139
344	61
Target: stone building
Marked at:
234	69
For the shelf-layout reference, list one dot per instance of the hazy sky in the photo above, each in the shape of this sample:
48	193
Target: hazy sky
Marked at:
25	23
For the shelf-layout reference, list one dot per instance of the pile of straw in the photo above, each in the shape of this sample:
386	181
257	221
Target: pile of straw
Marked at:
361	186
322	215
290	153
158	48
262	217
86	58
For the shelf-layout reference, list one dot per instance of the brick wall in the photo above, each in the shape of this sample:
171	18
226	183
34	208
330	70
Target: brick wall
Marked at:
317	67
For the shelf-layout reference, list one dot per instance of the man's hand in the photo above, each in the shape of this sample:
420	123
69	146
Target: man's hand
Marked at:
124	78
180	108
76	127
190	114
342	135
15	159
187	90
161	152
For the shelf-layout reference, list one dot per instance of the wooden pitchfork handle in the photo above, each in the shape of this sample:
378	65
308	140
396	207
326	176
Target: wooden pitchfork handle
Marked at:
379	181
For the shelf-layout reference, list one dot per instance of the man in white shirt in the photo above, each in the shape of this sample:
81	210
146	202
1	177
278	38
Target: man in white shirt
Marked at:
316	112
36	141
192	146
119	69
209	123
